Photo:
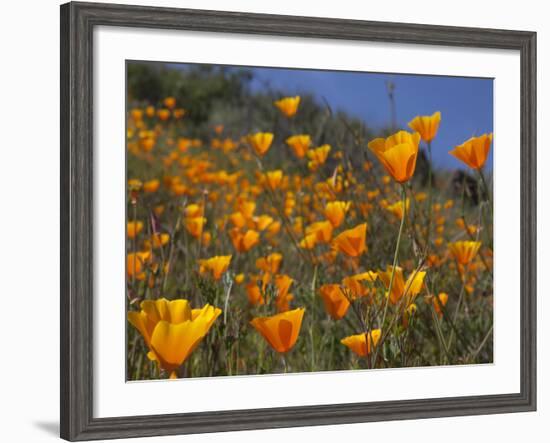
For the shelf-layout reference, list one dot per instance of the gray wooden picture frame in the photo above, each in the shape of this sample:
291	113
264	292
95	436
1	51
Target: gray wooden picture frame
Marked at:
77	24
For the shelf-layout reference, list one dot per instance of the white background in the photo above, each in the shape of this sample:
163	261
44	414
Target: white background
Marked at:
29	223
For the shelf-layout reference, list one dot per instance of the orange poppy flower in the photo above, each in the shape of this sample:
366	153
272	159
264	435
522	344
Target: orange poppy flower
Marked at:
193	210
309	241
163	114
179	113
237	219
216	265
464	251
354	284
441	301
426	125
359	343
133	228
195	225
136	114
281	330
243	242
322	231
159	240
288	105
299	144
335	212
397	154
397	208
169	102
247	208
134	185
260	142
135	263
172	330
283	298
352	242
270	263
412	287
474	152
318	156
336	303
262	222
256	288
151	186
273	179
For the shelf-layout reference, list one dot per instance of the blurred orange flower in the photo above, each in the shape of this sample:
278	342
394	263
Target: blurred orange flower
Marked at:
256	288
193	210
400	287
274	178
335	212
354	286
426	125
135	263
179	113
260	142
464	251
151	186
288	105
397	208
352	242
270	263
243	242
195	225
281	330
262	222
299	144
322	231
309	241
159	240
440	302
474	151
216	265
134	185
359	343
397	154
163	114
134	228
283	298
336	303
169	102
318	156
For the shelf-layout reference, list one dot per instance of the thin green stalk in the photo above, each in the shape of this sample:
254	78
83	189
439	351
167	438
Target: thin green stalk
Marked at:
170	256
482	344
485	189
430	196
313	289
395	259
464	279
134	245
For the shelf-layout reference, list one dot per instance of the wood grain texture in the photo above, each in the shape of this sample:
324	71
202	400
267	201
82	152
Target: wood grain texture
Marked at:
77	24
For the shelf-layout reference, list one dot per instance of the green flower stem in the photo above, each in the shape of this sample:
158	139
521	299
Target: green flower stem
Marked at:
134	245
430	194
395	259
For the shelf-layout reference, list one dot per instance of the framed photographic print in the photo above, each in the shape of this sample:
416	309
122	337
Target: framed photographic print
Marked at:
273	221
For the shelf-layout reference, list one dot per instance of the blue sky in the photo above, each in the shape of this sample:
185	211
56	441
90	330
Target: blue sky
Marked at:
466	104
